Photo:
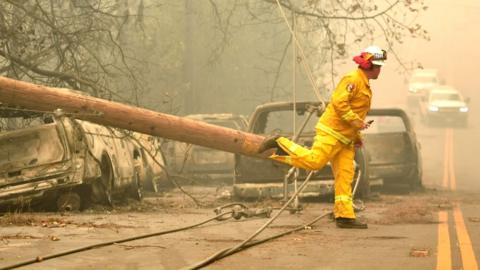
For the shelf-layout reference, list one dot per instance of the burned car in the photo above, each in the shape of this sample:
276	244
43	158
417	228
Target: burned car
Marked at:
66	162
392	148
201	162
262	178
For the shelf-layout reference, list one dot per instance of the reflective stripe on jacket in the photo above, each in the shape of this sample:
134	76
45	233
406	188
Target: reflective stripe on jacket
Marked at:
333	133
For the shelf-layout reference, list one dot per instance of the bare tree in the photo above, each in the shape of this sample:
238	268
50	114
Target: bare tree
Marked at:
65	43
114	49
158	53
326	31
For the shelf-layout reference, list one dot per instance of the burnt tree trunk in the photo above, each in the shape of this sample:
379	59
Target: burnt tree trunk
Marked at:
115	114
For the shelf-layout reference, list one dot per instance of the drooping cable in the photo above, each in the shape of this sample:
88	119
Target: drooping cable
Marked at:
108	243
224	253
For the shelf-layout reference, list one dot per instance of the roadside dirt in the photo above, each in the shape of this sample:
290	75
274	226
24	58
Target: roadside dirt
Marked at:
385	209
417	208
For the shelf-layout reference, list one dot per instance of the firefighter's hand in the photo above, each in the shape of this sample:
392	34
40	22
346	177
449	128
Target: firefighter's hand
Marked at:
358	144
359	124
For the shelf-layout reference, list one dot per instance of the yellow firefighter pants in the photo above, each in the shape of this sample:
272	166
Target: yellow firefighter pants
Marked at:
324	149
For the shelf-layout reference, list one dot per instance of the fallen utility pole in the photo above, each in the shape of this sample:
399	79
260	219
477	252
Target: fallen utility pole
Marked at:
43	98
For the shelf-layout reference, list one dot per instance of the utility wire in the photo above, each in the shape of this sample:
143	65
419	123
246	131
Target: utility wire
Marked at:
308	71
108	243
224	253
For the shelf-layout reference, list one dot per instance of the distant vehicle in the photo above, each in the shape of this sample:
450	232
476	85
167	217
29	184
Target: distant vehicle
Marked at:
444	105
199	162
392	148
421	81
66	162
261	178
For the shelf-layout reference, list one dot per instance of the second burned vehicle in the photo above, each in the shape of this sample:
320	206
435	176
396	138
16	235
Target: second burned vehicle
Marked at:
197	162
391	154
393	149
263	178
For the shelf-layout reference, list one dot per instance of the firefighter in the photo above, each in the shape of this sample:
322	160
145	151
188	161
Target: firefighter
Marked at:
337	133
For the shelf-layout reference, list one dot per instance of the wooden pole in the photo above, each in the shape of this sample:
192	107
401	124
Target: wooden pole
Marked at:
42	98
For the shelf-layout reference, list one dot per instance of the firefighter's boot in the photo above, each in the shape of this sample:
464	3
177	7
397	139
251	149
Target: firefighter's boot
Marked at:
350	223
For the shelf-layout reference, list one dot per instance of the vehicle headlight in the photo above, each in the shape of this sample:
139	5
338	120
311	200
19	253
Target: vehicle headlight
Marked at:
433	108
463	109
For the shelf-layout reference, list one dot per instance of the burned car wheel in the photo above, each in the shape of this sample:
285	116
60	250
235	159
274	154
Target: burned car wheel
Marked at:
69	201
107	180
416	181
102	187
136	189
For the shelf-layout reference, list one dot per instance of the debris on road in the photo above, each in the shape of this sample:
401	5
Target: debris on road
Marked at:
419	252
32	220
54	238
5	238
474	219
129	247
415	210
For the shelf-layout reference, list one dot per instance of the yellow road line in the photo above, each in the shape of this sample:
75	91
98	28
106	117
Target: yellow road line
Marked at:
444	256
466	249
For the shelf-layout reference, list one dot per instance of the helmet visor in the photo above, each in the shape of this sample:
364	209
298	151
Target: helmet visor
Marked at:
379	58
378	62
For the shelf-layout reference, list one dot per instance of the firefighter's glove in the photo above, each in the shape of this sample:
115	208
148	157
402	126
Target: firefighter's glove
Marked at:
358	143
359	124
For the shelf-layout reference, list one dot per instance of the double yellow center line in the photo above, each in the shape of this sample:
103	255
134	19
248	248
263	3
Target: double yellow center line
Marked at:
444	254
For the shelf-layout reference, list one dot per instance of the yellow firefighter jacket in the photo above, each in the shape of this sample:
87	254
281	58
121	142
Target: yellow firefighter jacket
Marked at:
350	100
